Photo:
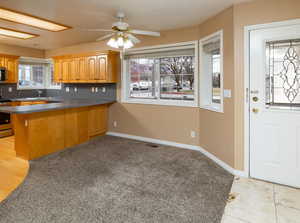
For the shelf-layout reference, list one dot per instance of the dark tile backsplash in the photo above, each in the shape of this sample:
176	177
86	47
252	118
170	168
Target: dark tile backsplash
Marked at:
84	91
14	93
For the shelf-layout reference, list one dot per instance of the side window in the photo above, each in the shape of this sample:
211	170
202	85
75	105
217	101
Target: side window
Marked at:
211	72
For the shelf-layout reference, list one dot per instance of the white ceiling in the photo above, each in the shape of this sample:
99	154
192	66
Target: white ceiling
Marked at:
153	15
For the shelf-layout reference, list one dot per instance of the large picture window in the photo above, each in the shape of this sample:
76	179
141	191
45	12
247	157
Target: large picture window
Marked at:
211	72
36	74
161	75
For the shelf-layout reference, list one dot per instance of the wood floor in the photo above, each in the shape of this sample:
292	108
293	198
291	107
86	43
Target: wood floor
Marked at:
13	170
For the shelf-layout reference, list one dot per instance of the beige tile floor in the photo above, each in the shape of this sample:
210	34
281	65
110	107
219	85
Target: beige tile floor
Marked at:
261	202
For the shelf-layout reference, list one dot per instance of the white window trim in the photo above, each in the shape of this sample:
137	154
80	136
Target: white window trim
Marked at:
47	84
157	48
212	106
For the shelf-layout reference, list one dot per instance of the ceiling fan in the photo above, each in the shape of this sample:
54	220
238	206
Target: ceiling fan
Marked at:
122	36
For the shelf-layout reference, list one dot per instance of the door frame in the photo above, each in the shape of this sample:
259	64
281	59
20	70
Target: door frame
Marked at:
247	30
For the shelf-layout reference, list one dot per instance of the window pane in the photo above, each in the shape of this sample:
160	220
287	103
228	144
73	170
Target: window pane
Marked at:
216	77
283	76
51	82
141	78
31	76
177	78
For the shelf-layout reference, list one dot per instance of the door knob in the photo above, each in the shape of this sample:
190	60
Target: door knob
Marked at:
255	99
255	110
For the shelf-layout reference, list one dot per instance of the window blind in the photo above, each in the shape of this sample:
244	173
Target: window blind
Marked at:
188	50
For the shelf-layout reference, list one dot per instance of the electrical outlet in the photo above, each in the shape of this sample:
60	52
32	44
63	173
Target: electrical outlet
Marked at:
75	89
193	134
10	89
67	89
96	89
103	89
115	124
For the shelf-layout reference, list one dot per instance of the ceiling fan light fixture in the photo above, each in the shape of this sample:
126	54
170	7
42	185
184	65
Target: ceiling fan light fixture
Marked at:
113	43
120	41
128	43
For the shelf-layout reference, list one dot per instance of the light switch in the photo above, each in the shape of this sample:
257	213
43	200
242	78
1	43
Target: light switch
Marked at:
75	89
227	93
96	89
67	89
103	89
193	134
10	89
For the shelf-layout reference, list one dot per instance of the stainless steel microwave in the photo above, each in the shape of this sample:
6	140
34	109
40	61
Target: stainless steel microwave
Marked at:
3	74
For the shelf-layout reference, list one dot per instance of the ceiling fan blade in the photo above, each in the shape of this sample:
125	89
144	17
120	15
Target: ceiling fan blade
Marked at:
105	37
133	38
95	30
144	32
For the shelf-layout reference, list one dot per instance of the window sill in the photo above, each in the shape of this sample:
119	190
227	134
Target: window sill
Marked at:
218	109
160	102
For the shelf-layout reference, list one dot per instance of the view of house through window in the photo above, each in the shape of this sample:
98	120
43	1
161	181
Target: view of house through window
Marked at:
177	77
33	75
161	76
216	77
142	78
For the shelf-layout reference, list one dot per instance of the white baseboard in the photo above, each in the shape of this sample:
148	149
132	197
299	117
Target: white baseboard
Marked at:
184	146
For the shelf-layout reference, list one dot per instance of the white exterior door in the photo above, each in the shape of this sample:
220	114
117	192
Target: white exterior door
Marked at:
275	104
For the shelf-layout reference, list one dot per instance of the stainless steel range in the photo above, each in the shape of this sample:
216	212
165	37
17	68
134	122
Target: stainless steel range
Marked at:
5	120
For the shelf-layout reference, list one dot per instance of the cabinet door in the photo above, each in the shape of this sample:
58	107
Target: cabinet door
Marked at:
46	130
76	126
11	65
2	61
73	69
58	71
65	70
97	120
101	73
91	68
82	71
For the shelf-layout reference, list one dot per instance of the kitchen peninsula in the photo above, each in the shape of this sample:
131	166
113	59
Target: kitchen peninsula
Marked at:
49	125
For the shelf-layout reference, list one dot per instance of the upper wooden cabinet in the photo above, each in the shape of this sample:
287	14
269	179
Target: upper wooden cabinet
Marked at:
87	68
11	64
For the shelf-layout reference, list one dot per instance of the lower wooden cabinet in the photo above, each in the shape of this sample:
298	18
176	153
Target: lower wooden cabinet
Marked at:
76	126
97	120
43	133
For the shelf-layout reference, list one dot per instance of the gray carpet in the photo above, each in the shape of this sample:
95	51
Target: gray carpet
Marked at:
112	180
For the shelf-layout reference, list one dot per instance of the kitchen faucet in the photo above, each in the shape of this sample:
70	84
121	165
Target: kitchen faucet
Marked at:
39	93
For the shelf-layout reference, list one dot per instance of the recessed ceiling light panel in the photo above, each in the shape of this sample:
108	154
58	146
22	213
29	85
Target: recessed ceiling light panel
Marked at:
16	34
26	19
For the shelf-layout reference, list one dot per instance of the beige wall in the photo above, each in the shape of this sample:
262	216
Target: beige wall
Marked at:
21	51
217	129
171	123
256	12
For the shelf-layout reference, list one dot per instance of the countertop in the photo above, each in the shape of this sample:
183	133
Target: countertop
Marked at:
54	104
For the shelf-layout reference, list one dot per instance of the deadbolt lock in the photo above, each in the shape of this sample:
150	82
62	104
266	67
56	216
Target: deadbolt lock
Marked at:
255	110
255	99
